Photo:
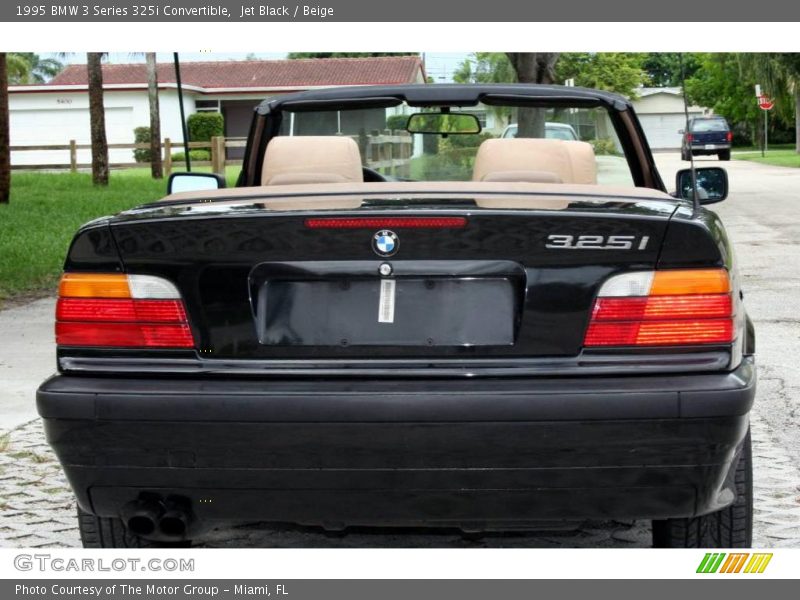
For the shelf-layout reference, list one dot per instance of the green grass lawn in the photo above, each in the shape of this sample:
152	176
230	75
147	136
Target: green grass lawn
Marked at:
779	158
758	148
46	209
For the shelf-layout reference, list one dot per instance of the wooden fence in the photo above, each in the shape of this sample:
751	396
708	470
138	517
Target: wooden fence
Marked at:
385	152
217	147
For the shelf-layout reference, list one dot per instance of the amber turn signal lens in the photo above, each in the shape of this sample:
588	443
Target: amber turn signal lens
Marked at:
94	285
699	281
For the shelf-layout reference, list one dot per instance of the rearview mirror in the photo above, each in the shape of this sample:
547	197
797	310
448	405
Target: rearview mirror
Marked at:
443	123
194	182
712	184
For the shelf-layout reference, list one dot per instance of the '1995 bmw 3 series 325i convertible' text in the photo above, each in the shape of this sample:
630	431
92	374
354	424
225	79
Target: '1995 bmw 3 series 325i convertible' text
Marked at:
433	326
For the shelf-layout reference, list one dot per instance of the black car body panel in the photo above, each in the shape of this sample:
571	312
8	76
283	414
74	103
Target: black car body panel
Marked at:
486	454
485	412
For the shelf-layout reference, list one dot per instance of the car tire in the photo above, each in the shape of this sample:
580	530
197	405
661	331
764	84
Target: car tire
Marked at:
104	532
684	155
724	155
731	527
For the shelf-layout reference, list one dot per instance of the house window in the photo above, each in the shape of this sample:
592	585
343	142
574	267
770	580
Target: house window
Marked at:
208	106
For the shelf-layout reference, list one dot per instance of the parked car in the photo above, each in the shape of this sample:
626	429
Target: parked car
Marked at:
555	131
707	135
347	340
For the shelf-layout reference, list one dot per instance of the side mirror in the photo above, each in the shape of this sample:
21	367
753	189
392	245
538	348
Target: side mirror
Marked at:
194	182
712	184
681	131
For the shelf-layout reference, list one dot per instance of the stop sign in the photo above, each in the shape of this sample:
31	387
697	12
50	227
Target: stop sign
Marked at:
765	103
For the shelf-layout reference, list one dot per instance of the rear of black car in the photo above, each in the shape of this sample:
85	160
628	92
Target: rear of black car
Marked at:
707	136
414	362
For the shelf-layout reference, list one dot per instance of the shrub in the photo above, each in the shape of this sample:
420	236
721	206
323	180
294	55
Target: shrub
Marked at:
604	146
396	122
205	125
141	135
198	155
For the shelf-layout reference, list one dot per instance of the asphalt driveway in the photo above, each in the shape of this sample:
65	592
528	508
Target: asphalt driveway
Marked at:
763	219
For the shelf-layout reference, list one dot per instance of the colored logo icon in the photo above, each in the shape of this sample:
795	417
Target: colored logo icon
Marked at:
734	562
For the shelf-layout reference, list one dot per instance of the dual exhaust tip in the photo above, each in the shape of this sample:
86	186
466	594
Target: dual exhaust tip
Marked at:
167	520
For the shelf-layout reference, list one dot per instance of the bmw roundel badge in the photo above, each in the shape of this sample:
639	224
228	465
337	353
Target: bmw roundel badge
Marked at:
385	242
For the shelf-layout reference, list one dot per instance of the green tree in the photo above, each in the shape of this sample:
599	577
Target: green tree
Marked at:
779	77
508	67
721	84
485	67
5	142
18	70
618	72
664	68
533	67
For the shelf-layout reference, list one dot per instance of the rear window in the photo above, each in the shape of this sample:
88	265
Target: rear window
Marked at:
710	125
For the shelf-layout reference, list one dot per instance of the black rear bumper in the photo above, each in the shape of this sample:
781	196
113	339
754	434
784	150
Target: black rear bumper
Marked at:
487	453
710	148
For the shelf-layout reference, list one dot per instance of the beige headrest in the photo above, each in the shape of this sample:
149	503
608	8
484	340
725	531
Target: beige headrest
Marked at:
311	159
525	176
569	161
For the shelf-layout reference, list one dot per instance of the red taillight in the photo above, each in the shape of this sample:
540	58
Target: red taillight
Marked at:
729	137
124	335
689	137
665	308
660	333
102	309
386	223
121	311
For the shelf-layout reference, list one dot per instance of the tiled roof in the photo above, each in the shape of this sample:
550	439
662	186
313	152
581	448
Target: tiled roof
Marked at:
266	74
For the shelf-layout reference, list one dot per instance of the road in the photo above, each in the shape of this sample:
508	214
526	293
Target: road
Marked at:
762	216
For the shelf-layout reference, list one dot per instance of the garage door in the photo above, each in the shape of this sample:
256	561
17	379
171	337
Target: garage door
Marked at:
59	126
662	130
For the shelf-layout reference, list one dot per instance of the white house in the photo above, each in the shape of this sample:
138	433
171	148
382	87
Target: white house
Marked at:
57	112
661	113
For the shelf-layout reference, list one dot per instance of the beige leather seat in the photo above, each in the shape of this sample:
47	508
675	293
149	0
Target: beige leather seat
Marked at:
535	160
311	159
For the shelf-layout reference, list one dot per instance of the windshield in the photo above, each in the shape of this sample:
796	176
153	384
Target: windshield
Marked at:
709	125
390	150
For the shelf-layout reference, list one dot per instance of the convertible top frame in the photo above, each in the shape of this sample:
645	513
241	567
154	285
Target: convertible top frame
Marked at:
268	115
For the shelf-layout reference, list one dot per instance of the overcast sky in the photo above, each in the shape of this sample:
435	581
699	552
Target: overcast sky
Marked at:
439	65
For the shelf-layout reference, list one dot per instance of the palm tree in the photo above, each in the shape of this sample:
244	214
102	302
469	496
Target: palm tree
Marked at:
156	168
18	69
5	142
97	118
36	69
